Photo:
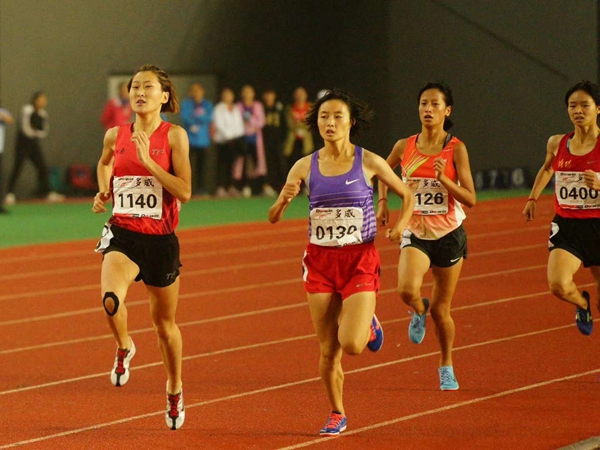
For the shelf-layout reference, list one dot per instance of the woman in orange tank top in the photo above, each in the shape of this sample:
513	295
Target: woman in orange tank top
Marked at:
574	160
145	169
436	166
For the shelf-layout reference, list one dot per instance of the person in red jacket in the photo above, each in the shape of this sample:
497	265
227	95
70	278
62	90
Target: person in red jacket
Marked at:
145	169
117	110
574	160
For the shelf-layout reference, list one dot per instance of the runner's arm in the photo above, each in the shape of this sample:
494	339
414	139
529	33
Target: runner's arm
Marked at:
543	176
298	173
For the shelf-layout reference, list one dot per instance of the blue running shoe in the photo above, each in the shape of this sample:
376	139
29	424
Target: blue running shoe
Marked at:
447	379
583	317
335	424
376	341
416	328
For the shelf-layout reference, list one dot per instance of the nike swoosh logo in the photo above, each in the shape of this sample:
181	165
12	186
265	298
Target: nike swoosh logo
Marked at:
456	259
352	181
589	162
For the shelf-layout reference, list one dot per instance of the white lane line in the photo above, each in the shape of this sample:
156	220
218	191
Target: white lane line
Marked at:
263	311
305	381
247	287
418	415
240	267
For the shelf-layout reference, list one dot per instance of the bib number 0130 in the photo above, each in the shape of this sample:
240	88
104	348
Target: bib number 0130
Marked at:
336	227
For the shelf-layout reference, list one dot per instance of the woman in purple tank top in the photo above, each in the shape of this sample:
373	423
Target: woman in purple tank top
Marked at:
341	264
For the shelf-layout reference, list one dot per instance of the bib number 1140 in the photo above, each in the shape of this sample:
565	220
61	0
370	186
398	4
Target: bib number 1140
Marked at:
139	200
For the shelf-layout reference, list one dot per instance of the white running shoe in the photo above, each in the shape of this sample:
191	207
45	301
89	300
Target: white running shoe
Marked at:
175	415
246	192
55	197
119	375
268	191
10	199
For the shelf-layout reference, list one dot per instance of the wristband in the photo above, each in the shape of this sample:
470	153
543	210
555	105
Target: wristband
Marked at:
381	200
530	199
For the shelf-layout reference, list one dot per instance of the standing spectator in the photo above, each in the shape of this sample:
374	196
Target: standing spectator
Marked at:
5	118
117	110
33	126
251	167
273	135
196	115
229	137
299	141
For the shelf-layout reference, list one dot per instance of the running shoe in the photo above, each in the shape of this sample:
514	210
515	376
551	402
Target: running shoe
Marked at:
175	415
416	328
119	375
447	379
335	424
583	317
376	341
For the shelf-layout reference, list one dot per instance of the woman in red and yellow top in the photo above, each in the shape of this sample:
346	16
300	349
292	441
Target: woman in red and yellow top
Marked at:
151	176
435	165
574	160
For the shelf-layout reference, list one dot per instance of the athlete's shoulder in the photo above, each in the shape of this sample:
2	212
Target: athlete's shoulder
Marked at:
177	134
554	140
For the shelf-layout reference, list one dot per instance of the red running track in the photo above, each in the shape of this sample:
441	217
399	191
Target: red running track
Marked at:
528	379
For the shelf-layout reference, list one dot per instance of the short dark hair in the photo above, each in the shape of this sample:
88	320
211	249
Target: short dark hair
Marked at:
448	98
172	105
360	112
593	90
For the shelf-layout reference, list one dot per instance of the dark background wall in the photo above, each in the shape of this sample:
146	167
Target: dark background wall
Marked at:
508	62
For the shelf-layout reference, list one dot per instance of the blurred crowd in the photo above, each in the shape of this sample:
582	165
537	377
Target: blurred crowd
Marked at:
256	141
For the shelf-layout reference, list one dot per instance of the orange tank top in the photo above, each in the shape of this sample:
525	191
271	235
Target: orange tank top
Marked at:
436	212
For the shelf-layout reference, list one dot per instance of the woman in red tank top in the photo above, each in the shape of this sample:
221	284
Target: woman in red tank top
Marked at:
574	160
145	169
436	167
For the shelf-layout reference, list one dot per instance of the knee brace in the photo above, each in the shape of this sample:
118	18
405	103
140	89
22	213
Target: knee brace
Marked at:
115	299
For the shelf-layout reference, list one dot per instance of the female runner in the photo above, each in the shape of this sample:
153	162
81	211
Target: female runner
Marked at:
151	176
574	159
435	165
341	264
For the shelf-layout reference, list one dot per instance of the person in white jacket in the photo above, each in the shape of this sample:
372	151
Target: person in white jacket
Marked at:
33	126
229	139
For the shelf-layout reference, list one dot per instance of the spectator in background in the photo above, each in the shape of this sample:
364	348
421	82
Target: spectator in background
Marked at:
196	116
33	126
273	136
299	141
5	118
251	167
117	110
229	138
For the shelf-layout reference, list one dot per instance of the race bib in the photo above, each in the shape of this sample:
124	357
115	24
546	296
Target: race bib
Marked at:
431	197
335	227
572	193
138	196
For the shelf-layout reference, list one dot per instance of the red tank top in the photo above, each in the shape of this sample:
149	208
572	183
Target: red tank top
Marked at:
140	203
572	199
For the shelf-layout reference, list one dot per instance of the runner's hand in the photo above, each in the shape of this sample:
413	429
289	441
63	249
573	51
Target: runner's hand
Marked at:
99	201
394	235
590	178
142	146
290	190
529	211
383	214
439	165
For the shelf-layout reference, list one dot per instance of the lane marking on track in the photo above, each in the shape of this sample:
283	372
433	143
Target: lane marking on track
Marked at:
297	338
245	288
226	269
311	380
444	408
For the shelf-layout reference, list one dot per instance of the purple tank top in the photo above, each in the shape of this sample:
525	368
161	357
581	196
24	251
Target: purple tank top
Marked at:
342	193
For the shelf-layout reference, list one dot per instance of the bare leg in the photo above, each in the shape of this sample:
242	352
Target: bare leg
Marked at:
444	284
412	267
163	305
355	322
562	265
118	272
325	311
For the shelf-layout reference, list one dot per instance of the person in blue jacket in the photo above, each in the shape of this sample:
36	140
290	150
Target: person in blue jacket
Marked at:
196	117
